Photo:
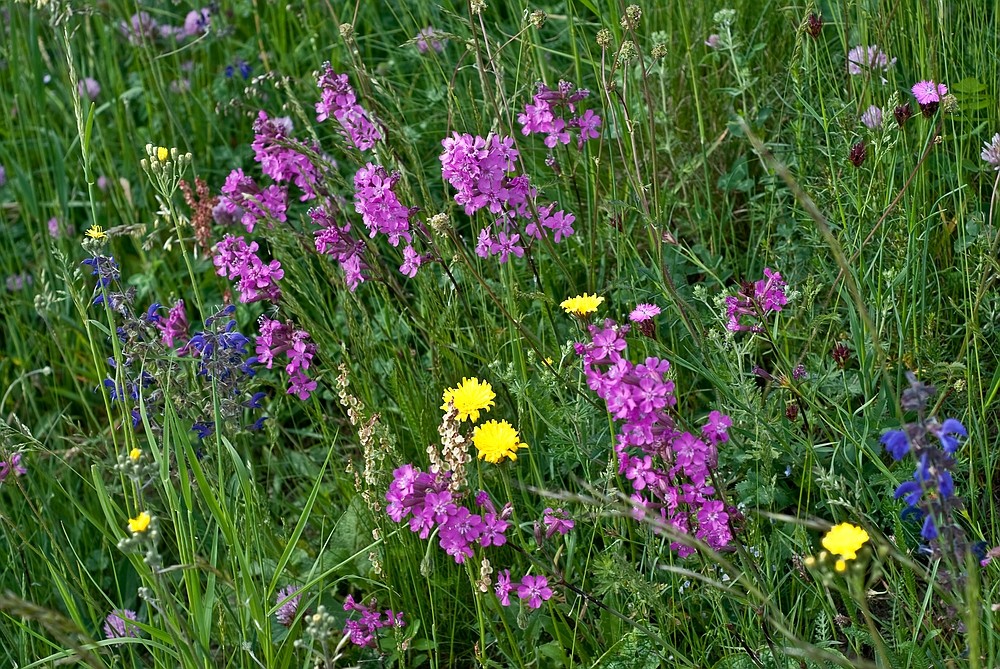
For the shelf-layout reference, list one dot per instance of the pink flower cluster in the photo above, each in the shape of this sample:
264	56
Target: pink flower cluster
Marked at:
424	498
378	205
362	632
284	158
276	338
478	169
756	300
928	95
337	241
339	101
12	466
427	39
174	327
549	113
256	280
243	200
669	470
532	589
142	27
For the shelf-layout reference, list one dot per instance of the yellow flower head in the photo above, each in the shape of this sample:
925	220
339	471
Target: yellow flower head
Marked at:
134	454
844	540
162	153
470	397
140	523
581	305
95	232
496	441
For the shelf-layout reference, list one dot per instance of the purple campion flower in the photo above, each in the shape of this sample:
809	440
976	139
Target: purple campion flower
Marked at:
991	152
864	59
556	521
118	624
175	326
552	113
362	632
12	466
872	117
378	205
644	312
534	589
286	612
857	154
88	88
503	587
426	40
53	226
757	299
411	262
339	101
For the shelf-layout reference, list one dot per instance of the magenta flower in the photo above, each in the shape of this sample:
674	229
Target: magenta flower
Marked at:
927	92
864	59
339	101
503	587
286	612
175	326
426	40
88	88
118	624
12	466
644	312
712	42
411	262
363	631
556	521
534	589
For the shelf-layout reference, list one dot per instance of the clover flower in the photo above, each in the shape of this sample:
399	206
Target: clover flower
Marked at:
872	117
991	152
844	540
865	59
286	612
118	624
497	440
470	397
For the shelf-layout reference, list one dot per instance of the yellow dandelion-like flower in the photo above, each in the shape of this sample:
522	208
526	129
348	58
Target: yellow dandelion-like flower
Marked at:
581	305
844	540
95	232
134	454
162	153
470	397
496	441
140	523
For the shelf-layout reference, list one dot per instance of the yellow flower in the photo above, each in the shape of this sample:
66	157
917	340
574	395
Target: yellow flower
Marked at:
844	540
496	441
470	397
581	305
134	454
162	153
140	523
95	232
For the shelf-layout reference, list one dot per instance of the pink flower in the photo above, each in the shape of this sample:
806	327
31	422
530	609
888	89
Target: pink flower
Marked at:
535	589
644	312
503	587
927	92
872	117
287	611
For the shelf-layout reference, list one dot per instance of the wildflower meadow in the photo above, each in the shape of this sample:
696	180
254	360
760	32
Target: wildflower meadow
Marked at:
495	333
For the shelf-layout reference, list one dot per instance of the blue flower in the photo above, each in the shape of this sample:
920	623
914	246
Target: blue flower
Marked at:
910	492
896	443
946	434
946	485
203	429
929	530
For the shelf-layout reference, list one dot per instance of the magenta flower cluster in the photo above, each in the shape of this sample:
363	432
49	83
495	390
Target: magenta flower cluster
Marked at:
244	201
117	624
174	327
478	168
362	631
339	101
12	466
532	589
669	469
424	498
336	240
256	280
756	301
282	157
551	113
276	338
286	612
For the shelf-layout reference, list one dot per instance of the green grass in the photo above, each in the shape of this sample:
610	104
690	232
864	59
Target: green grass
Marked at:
713	163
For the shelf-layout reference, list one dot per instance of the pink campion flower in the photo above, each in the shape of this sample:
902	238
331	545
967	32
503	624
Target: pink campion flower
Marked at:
339	101
756	300
12	466
411	262
716	428
286	612
552	113
282	157
644	312
378	205
712	42
503	587
534	589
864	59
174	327
872	117
927	92
588	124
426	40
118	624
556	521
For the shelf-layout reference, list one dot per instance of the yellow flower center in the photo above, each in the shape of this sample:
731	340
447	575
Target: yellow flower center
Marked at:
581	305
496	441
140	523
470	397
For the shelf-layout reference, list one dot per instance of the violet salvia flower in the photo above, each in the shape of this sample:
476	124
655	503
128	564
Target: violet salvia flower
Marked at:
286	612
378	205
223	352
931	493
118	624
427	39
12	466
242	198
339	101
556	521
282	157
991	152
256	280
763	297
872	117
865	59
669	470
534	590
363	631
